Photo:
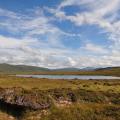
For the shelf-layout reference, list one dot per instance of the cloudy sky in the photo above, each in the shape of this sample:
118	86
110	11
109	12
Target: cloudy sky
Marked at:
60	33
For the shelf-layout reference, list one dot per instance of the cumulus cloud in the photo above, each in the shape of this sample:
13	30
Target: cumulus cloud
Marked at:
23	51
95	48
36	41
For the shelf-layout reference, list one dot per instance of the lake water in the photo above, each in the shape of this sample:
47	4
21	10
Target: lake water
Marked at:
82	77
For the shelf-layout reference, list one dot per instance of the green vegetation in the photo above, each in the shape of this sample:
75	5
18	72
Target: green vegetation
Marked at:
84	112
68	99
113	71
45	84
106	72
22	69
14	69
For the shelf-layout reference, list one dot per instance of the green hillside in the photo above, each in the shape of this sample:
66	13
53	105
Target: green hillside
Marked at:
6	68
23	69
109	71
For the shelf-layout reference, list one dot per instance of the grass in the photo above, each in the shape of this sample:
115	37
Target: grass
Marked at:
5	116
22	69
45	84
86	111
91	99
107	72
29	83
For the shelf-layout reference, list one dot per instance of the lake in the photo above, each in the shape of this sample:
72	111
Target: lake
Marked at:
82	77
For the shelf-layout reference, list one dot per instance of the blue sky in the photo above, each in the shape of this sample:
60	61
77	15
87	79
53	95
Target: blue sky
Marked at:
60	33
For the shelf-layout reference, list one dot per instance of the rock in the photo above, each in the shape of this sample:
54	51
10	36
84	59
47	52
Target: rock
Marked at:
28	99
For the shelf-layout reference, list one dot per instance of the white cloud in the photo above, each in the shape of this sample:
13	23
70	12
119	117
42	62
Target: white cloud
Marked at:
9	14
101	13
76	2
31	49
25	53
95	48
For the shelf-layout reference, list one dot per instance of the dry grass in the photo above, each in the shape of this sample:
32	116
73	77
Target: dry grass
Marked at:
5	116
85	110
45	84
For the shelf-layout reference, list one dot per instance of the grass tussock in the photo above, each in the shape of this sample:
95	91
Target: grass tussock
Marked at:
88	99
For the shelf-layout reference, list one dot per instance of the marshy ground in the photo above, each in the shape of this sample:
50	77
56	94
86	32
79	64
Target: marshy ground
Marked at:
60	99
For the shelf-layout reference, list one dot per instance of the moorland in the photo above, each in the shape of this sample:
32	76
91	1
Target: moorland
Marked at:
48	99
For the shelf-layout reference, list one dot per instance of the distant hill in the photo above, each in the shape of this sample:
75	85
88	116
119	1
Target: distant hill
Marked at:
88	69
112	71
24	69
109	71
67	69
75	69
109	68
6	68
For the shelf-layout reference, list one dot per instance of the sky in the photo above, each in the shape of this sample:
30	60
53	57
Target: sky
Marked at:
60	33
